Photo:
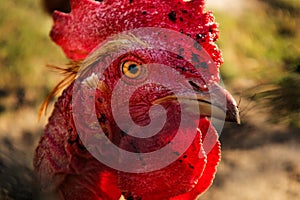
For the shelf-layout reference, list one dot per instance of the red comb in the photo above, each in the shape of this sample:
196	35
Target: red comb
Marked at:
91	22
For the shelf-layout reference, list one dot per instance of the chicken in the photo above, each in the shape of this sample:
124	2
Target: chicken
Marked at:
147	47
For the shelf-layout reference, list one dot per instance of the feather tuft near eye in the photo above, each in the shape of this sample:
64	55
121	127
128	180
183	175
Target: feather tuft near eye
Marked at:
92	81
69	73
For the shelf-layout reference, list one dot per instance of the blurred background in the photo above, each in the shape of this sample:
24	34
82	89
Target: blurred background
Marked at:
260	40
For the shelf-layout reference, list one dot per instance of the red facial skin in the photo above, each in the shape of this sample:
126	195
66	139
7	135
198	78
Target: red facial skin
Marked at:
62	163
64	166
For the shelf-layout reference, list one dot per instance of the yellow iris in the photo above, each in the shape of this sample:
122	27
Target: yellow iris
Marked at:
132	69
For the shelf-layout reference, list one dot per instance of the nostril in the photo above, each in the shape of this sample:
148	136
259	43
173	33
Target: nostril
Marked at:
198	87
194	85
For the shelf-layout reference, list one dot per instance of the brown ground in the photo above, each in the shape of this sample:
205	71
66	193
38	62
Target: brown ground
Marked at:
259	162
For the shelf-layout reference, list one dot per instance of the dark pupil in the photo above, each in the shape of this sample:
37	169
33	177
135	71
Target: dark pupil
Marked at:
133	68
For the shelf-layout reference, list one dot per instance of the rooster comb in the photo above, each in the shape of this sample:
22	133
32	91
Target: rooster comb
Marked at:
91	22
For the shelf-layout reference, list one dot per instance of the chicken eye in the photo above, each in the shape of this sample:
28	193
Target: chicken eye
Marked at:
132	69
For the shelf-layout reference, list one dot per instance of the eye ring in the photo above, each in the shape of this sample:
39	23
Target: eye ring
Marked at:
132	69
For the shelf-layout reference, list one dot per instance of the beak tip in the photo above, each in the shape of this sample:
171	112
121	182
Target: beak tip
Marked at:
237	115
233	115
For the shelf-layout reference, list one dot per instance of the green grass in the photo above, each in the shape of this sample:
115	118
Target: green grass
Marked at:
261	47
25	49
261	44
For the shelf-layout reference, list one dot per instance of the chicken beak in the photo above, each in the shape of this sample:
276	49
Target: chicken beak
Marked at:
215	102
218	103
